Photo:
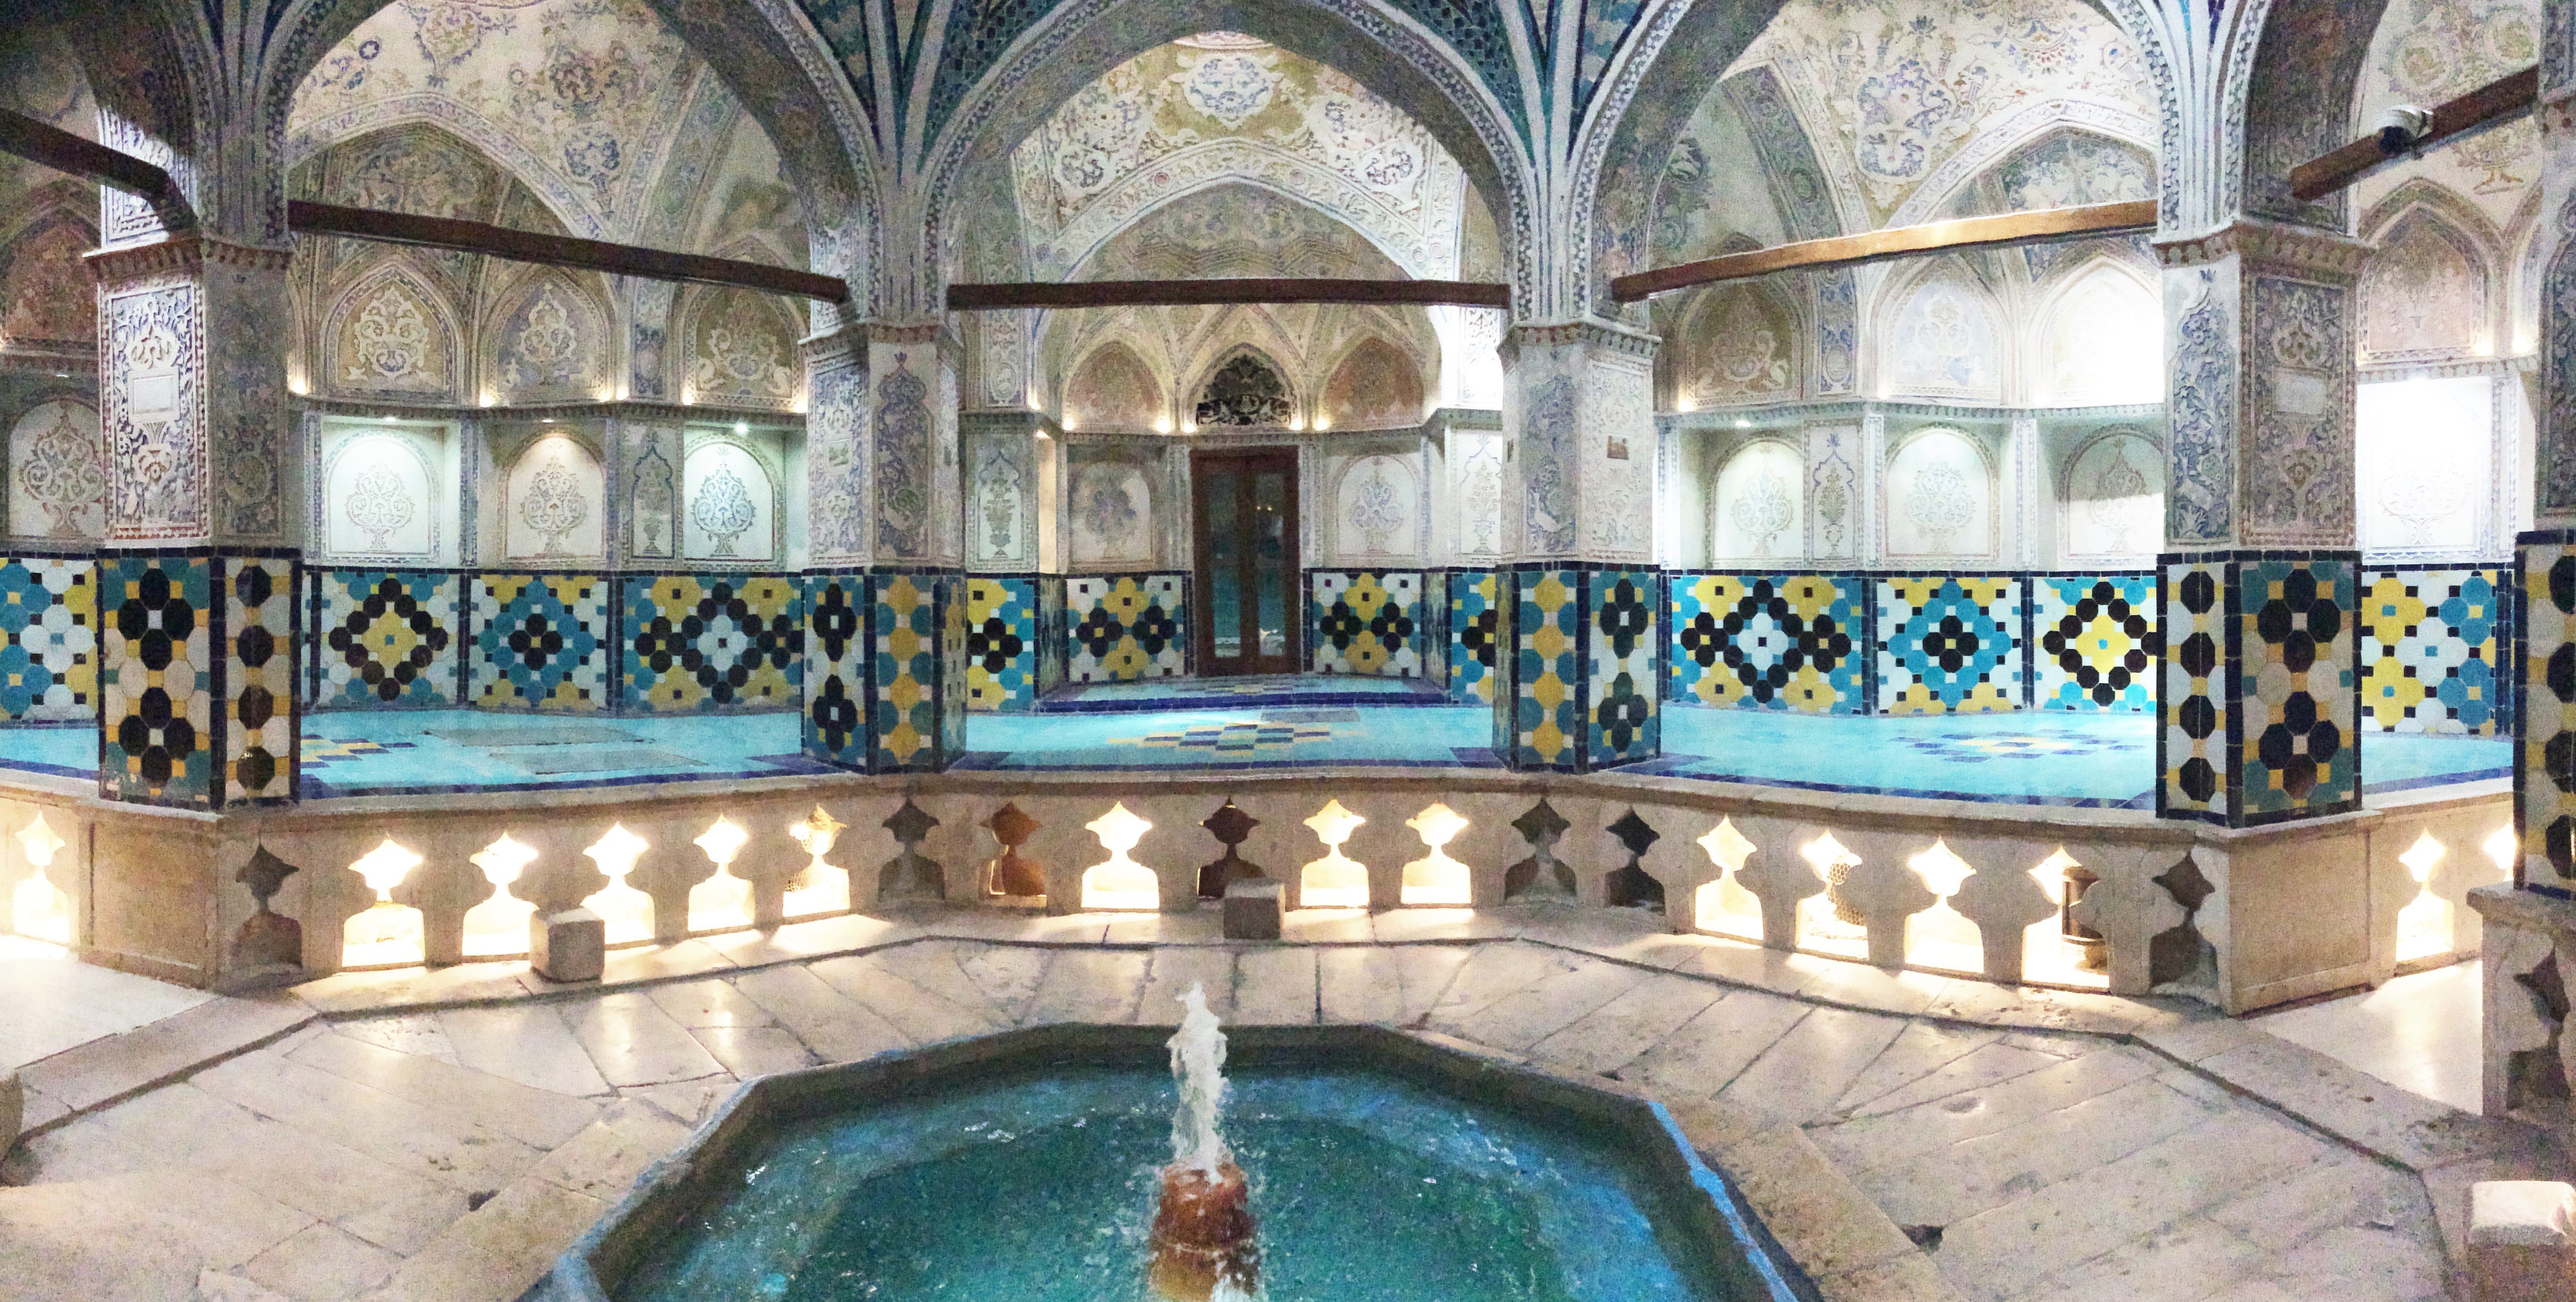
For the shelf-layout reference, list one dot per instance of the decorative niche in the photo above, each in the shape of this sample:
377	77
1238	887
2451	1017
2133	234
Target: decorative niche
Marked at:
58	475
1941	497
2111	499
733	507
551	510
1757	504
386	492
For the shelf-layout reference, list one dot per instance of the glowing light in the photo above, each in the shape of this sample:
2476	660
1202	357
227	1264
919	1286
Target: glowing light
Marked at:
39	908
1940	937
1821	927
2502	846
628	911
2424	925
1436	878
498	927
821	888
1724	906
1335	881
1162	425
386	933
2046	952
742	427
724	900
1742	423
1120	882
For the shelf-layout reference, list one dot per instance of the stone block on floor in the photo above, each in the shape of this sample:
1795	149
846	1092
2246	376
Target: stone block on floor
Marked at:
2522	1240
1255	909
568	946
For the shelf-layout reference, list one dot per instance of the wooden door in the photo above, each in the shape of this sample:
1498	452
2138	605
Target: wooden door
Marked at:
1247	606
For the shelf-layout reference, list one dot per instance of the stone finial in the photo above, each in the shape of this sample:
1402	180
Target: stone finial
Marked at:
266	942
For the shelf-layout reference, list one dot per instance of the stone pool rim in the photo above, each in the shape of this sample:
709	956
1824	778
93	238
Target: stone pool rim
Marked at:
607	1255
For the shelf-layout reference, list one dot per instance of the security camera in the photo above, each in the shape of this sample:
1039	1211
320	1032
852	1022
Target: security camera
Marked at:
2401	125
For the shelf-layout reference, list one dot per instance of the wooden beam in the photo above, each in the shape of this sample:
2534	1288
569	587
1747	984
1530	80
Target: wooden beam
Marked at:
1895	242
2491	105
307	218
997	296
39	141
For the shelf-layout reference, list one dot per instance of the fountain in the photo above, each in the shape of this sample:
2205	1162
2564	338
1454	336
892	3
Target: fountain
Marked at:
1203	1245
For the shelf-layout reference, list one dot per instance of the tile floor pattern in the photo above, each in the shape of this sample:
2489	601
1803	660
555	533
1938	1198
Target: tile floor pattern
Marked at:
2067	1146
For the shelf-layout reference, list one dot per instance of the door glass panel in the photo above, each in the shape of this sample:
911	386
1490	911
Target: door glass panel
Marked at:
1225	565
1271	578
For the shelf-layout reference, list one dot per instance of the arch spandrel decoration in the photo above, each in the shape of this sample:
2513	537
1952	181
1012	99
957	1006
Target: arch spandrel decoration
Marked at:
2426	294
47	303
738	349
550	342
1741	344
1113	389
393	334
1376	386
1245	391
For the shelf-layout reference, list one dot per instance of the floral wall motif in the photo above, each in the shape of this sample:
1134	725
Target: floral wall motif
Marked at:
2112	499
1112	514
2428	51
154	421
1740	346
392	336
656	454
2200	408
1378	507
730	508
1479	469
381	500
1114	390
1940	497
551	345
553	502
1375	387
1002	495
2302	433
58	474
2423	295
46	302
1755	506
739	350
1944	339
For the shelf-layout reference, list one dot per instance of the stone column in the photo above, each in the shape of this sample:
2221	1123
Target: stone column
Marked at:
1005	457
1580	603
2544	766
2259	690
885	651
198	579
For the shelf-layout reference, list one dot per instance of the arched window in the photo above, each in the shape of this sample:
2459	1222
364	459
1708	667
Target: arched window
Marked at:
1245	393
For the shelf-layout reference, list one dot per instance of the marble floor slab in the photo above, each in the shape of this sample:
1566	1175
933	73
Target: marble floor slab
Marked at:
2418	1032
50	1001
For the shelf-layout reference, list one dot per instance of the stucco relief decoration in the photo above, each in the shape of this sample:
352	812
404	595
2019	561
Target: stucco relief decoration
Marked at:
552	501
1941	497
392	340
543	347
656	500
837	470
2417	505
1376	387
1945	342
2105	341
2428	51
1377	507
1756	500
378	505
2200	420
2423	296
2115	498
1244	393
1112	506
155	419
2302	434
903	460
50	303
1547	454
1617	436
1229	86
741	353
553	505
57	473
723	510
1480	497
997	502
1114	390
1747	345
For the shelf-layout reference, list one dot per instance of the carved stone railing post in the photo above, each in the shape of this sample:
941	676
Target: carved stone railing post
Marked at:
2003	900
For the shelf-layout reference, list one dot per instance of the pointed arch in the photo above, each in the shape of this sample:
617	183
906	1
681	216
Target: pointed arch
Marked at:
392	334
2097	338
1114	389
1375	385
2428	291
549	336
1736	343
1939	333
737	348
1244	388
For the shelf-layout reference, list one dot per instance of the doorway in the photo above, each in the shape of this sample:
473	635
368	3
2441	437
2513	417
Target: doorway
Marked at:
1246	611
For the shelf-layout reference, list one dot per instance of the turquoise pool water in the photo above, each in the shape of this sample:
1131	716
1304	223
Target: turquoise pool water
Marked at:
1366	1188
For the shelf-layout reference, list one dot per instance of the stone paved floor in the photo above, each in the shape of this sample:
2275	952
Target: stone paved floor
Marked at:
450	1152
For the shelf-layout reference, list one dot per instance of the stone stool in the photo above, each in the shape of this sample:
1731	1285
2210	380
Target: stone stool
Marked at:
1255	908
568	946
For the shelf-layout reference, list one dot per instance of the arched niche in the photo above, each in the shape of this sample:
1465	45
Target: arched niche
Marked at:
553	501
1243	391
1377	508
1376	387
732	504
2424	294
47	303
380	500
1113	513
1113	389
2100	341
1756	510
2112	498
392	335
1940	497
58	473
550	342
1943	339
738	349
1740	345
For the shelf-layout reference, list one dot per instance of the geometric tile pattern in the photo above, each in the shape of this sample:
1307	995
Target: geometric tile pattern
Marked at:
1123	627
1545	708
1471	637
2544	784
1049	637
541	642
157	692
1949	645
1623	727
1364	622
698	644
2197	691
2429	643
1767	642
836	655
914	621
2260	692
2096	638
49	614
1001	643
387	639
258	629
2297	689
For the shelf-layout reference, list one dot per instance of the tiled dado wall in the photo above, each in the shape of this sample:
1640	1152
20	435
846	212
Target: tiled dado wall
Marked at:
2434	644
1912	643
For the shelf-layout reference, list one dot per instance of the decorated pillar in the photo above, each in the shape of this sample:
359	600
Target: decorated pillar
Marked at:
885	647
2544	768
1578	649
1007	458
198	617
2260	583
